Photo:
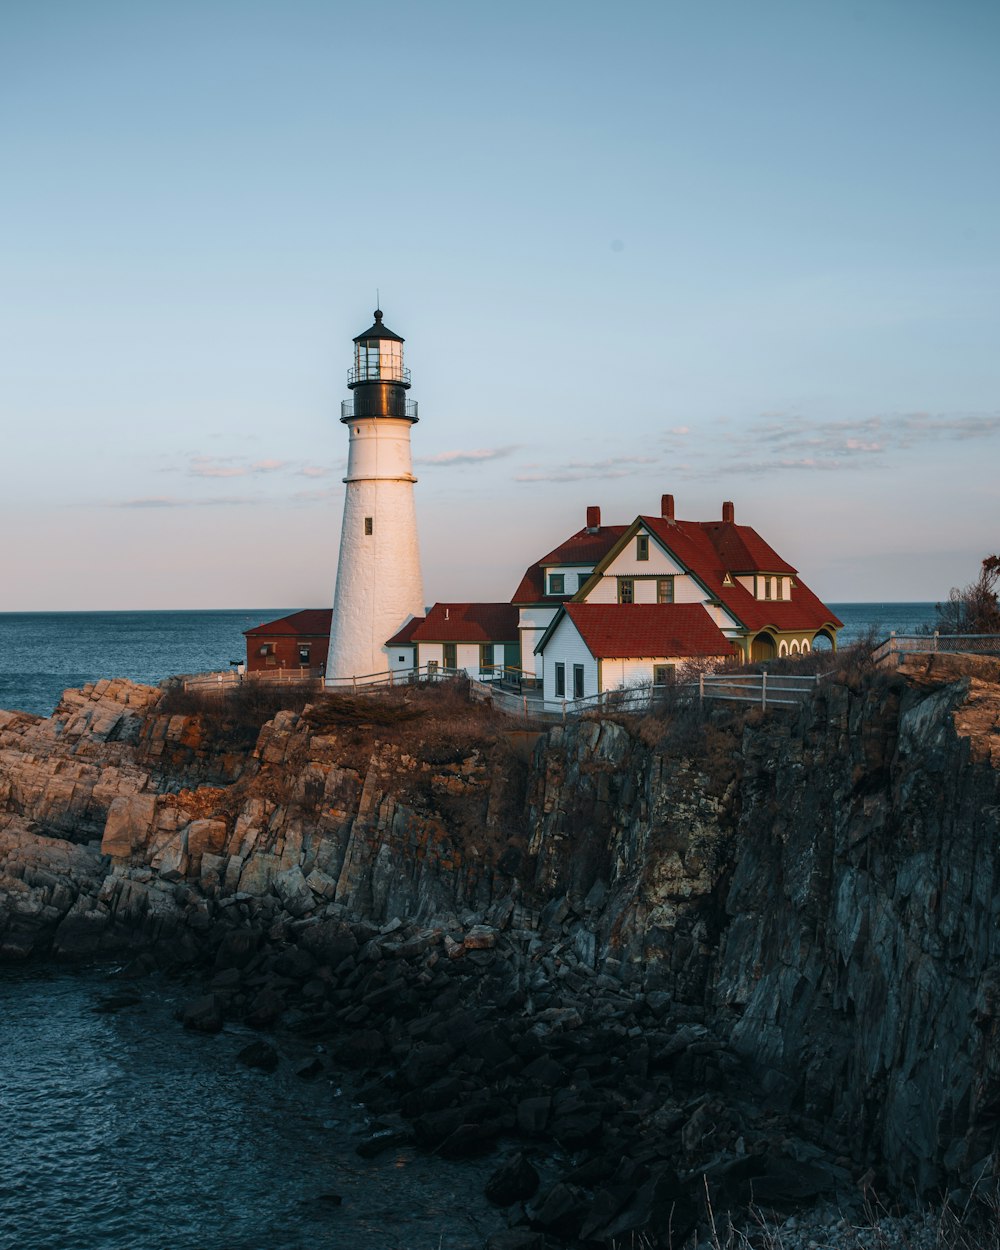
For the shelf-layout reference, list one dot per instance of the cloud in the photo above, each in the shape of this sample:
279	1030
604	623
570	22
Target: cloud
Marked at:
796	442
474	456
585	470
315	470
167	501
231	466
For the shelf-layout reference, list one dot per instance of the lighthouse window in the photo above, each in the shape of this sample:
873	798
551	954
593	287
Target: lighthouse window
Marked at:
369	525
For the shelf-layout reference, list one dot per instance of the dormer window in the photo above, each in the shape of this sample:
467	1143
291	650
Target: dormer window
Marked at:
557	583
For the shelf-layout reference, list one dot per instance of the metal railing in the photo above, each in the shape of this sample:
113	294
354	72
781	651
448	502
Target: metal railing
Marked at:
920	644
347	412
389	372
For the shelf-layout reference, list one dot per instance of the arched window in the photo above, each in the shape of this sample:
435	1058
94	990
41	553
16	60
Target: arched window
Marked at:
794	648
783	647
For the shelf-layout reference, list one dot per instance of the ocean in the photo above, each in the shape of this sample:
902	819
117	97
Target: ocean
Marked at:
44	653
121	1131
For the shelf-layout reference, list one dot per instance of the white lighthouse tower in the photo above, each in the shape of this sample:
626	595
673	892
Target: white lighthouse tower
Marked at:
379	586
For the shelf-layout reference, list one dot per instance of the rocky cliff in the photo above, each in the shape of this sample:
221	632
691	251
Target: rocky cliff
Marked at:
818	890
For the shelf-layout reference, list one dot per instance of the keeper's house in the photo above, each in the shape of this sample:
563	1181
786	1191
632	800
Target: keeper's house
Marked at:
624	604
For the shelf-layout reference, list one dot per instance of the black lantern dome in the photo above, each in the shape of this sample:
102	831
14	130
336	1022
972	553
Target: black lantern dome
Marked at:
378	379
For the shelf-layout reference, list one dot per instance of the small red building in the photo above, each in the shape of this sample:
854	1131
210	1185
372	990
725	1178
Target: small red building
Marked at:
298	641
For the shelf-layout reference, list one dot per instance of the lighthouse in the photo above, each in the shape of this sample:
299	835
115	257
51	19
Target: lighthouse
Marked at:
379	586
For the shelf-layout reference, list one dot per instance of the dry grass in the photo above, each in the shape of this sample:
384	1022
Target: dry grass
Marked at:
232	718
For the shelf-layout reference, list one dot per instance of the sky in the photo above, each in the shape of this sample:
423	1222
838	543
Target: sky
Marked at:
725	250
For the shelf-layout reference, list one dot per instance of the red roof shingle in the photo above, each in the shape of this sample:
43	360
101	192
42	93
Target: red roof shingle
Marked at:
584	547
697	545
468	622
614	631
404	636
309	623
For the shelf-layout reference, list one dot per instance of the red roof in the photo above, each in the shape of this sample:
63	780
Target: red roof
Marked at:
699	545
405	635
468	622
584	547
742	550
615	631
309	623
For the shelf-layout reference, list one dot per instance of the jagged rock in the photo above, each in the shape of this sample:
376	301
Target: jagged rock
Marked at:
514	1180
260	1055
203	1015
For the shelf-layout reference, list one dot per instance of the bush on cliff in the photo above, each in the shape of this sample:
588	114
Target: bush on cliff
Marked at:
973	609
233	715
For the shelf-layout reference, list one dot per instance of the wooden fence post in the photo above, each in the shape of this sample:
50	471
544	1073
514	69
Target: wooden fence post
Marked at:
701	688
763	689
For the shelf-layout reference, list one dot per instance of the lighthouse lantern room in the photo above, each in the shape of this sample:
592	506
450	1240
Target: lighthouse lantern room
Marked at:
379	586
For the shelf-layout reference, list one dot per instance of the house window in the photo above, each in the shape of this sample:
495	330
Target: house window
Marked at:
486	655
450	655
767	588
577	681
560	681
781	588
664	590
557	583
401	659
642	547
581	580
663	674
303	655
369	524
432	667
266	649
626	590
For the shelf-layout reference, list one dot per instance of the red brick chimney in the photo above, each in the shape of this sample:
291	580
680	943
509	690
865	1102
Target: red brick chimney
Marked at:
728	512
593	518
667	507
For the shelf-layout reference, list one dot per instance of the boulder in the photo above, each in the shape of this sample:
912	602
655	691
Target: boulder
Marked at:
514	1181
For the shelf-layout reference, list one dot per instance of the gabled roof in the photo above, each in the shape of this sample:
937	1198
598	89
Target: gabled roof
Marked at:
310	622
616	631
696	544
404	636
742	550
468	622
586	546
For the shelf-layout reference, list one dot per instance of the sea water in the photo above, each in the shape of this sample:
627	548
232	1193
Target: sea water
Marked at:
121	1131
44	653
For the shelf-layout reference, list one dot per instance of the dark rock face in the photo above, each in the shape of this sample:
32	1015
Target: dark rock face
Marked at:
854	974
